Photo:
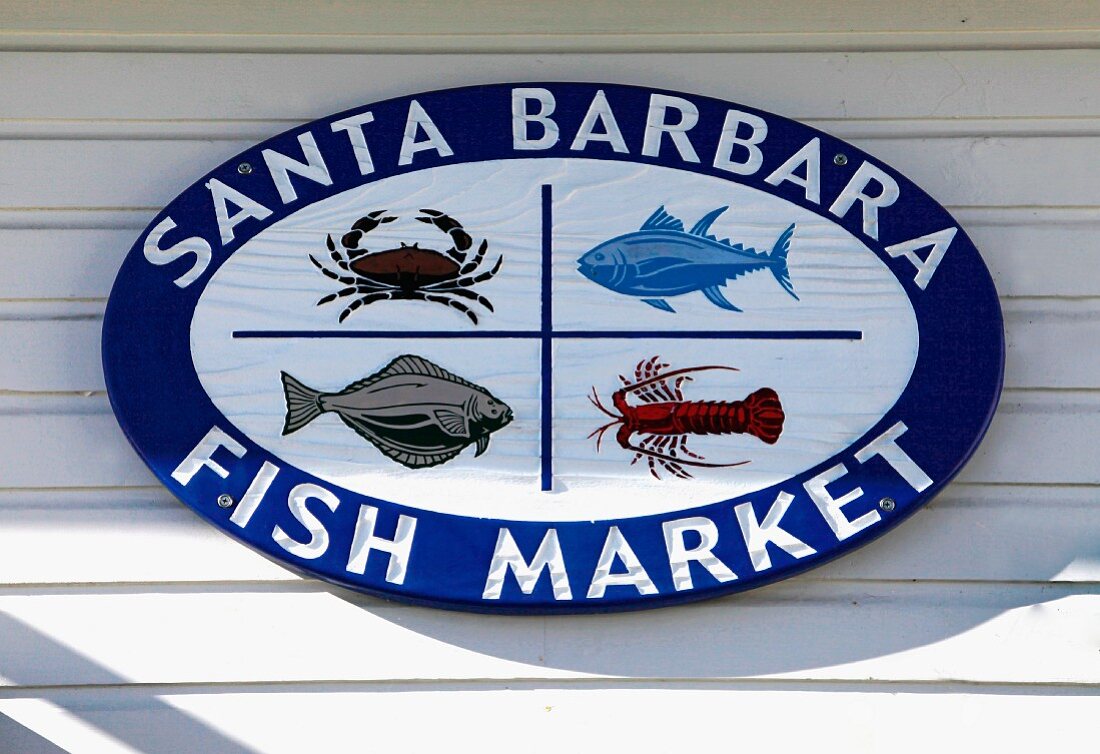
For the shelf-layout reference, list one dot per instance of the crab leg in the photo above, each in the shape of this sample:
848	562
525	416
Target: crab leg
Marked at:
368	299
466	282
345	279
473	265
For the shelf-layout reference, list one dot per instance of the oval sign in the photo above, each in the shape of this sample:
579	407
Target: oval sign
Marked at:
553	347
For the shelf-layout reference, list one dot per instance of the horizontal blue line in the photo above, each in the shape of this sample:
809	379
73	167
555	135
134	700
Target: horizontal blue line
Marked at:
565	334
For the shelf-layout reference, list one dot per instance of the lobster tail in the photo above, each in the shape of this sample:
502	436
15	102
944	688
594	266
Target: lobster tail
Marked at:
764	415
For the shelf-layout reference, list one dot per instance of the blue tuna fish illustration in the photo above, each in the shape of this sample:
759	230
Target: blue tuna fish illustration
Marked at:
661	259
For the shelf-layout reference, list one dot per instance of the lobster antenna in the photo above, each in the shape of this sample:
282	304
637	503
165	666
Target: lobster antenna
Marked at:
661	377
594	399
599	433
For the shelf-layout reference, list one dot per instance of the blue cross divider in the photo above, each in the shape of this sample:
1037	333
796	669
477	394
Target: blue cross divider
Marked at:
546	335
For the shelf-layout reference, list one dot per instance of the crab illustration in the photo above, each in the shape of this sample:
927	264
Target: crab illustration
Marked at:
408	273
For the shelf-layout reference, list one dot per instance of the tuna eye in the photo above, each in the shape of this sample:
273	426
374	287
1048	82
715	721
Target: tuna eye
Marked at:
599	257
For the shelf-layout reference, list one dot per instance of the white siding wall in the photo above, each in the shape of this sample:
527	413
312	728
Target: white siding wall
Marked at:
126	624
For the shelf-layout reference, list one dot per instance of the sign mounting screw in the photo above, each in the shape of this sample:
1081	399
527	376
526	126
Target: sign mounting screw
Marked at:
840	159
887	504
225	501
244	168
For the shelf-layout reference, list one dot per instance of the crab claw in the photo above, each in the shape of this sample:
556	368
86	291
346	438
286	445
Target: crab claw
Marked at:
363	225
450	226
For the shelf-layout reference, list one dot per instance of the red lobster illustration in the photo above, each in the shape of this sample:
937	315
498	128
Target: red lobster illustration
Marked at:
666	419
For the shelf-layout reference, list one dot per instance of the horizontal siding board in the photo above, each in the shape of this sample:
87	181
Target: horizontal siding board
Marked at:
912	632
76	253
988	597
302	87
69	441
566	17
55	346
970	533
666	718
142	173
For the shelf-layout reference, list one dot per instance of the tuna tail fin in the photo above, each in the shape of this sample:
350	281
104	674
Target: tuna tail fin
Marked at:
779	267
764	415
303	404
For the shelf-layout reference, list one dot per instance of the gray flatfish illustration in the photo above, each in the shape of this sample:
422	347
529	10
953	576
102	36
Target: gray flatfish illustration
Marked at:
416	412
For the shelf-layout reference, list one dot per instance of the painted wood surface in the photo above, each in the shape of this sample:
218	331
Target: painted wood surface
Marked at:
977	617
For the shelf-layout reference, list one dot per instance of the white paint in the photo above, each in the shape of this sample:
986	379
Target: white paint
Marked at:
758	535
281	166
657	126
318	540
522	118
353	127
886	445
680	556
1029	188
254	495
616	549
748	146
808	160
203	456
885	193
600	113
831	507
222	196
926	267
194	245
411	144
508	558
832	391
364	541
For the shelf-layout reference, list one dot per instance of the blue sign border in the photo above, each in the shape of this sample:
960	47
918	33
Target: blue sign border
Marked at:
164	411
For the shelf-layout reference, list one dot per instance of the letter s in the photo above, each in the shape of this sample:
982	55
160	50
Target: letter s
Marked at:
193	245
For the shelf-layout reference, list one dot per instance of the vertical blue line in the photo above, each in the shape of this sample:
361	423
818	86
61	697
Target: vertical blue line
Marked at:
547	328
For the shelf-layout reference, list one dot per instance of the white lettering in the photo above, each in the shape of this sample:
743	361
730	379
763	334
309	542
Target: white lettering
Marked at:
203	453
656	126
939	241
353	127
830	507
254	495
599	111
281	166
616	546
364	540
506	556
318	534
221	194
810	156
420	120
521	137
679	556
886	445
854	192
757	535
193	245
729	139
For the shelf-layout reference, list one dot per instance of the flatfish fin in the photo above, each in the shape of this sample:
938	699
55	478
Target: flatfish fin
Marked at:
411	364
453	422
412	457
482	445
661	220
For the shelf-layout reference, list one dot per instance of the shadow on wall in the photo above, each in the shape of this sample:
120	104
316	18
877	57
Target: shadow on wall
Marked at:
173	725
796	627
